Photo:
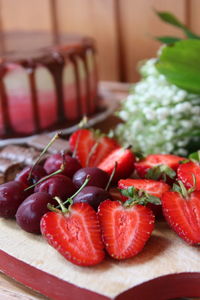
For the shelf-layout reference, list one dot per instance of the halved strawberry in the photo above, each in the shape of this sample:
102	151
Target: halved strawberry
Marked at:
125	163
91	147
153	160
189	174
183	214
75	234
125	230
152	187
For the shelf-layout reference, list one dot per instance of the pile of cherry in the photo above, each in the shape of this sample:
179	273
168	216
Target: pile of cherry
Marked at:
84	202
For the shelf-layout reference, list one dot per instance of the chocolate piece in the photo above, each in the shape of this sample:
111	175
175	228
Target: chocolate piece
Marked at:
8	169
40	141
20	154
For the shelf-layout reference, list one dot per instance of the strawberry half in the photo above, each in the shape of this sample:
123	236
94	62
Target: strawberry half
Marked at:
125	163
75	234
125	230
153	160
189	174
152	187
91	147
183	214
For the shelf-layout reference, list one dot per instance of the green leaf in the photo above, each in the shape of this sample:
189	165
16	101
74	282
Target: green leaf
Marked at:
167	39
195	156
180	63
171	19
154	200
160	171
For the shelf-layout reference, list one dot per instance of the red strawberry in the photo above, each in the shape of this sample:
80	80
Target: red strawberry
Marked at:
153	160
125	163
152	187
91	147
183	214
188	173
75	234
125	230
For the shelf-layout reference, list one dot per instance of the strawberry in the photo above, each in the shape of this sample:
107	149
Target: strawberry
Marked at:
125	229
75	233
125	163
152	187
189	174
181	209
91	147
154	160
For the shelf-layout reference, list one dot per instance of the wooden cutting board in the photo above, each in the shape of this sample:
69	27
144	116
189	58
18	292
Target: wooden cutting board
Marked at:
166	268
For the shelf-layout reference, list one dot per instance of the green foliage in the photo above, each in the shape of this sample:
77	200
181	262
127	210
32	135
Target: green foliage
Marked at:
180	63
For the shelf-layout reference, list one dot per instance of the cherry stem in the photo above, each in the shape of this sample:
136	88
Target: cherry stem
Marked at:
78	191
46	177
43	152
83	122
94	147
61	204
183	189
111	176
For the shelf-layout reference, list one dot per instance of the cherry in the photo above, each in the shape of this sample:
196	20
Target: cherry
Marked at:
57	185
11	196
37	173
97	176
93	195
31	210
54	162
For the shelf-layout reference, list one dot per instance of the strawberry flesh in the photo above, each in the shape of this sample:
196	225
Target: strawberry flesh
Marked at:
186	173
75	235
152	160
125	163
125	231
90	149
183	215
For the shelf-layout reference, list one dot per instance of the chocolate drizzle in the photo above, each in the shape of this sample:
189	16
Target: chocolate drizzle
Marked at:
54	58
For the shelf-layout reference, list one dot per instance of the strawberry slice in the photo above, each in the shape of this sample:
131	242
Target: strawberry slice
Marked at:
125	163
153	160
125	230
75	234
91	147
189	174
152	187
183	214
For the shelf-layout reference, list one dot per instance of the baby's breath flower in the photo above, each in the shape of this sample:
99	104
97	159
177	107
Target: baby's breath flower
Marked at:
158	116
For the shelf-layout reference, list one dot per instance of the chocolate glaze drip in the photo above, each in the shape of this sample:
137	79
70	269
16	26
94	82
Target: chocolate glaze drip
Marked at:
54	58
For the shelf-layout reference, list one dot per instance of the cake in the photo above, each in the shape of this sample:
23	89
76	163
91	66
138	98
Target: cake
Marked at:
45	82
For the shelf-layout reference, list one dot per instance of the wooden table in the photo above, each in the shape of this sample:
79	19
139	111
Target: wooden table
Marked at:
10	289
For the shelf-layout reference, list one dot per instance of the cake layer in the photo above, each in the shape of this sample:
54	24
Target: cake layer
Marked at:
45	85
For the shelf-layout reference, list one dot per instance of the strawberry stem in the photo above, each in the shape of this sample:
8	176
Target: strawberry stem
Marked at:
111	176
43	152
46	177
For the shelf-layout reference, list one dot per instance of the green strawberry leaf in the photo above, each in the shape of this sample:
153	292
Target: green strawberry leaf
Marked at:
195	156
154	200
167	39
138	197
180	63
160	171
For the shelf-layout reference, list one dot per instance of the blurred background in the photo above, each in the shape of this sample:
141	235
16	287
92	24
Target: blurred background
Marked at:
123	29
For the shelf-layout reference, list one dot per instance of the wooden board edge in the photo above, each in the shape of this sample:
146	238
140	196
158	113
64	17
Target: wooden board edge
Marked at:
42	282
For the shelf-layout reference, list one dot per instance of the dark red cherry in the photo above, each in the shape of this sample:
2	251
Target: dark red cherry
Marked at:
57	185
31	210
11	196
37	173
93	195
97	177
54	162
